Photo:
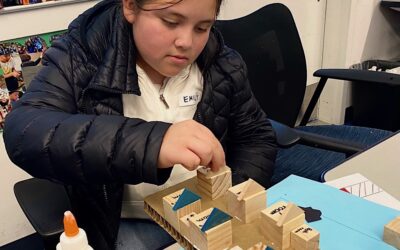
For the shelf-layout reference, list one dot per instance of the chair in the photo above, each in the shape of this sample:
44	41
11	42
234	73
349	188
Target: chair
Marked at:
43	203
270	45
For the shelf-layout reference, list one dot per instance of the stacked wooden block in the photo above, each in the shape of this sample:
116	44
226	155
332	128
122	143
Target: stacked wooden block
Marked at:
214	184
209	229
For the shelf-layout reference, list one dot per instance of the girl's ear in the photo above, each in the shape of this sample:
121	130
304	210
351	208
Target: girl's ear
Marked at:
128	7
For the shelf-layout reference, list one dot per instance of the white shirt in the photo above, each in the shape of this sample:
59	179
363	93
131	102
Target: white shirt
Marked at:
182	93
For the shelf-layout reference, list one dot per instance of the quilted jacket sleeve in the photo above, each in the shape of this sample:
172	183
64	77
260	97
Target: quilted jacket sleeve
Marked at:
252	146
48	137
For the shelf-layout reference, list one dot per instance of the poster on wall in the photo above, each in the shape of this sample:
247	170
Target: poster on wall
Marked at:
19	60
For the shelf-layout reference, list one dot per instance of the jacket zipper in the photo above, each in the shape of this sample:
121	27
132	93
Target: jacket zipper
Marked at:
161	92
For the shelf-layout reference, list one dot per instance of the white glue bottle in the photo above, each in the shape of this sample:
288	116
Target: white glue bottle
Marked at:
73	237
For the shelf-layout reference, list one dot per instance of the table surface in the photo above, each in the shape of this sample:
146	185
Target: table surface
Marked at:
380	164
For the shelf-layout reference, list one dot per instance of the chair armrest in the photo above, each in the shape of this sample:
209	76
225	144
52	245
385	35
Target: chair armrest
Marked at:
285	135
359	75
43	203
329	143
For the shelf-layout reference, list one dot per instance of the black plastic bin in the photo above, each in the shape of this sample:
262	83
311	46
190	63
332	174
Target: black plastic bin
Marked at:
376	105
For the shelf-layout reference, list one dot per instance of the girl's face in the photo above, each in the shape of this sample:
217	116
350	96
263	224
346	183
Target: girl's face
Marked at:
170	39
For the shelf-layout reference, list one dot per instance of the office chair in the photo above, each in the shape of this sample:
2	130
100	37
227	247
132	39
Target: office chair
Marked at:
270	45
43	203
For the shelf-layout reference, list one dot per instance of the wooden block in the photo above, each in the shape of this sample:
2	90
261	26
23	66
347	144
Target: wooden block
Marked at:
184	225
216	237
278	236
214	184
304	238
391	233
180	203
246	200
292	211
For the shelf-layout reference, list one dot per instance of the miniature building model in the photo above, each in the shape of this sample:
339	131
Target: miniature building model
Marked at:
304	238
211	230
278	220
214	184
246	200
180	203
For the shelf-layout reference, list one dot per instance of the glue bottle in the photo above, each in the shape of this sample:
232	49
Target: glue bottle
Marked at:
73	237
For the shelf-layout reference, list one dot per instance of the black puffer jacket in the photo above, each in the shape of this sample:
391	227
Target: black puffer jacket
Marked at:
69	126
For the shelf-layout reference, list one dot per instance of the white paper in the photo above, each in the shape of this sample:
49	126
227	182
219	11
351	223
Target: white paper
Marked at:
359	185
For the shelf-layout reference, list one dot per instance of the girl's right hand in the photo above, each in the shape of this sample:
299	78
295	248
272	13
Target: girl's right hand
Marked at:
191	144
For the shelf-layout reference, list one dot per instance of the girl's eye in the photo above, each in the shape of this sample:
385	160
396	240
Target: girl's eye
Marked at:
170	22
202	29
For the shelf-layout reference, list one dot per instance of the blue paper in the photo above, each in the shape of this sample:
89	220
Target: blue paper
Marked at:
187	197
348	221
216	217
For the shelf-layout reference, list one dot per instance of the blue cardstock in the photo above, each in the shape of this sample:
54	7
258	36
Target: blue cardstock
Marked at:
187	197
348	222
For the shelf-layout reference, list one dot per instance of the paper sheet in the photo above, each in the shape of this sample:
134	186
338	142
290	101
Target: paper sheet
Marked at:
360	186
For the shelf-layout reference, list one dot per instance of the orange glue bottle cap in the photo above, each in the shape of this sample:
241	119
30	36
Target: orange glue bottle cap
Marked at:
70	226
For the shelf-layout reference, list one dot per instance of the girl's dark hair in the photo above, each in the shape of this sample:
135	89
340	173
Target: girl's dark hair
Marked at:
169	3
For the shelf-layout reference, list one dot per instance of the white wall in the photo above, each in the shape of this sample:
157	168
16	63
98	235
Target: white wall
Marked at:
309	16
54	17
356	30
13	223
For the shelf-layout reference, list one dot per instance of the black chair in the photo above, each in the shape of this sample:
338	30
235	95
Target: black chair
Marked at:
270	45
43	203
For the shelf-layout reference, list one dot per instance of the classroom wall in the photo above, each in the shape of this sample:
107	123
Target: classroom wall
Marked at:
13	223
30	20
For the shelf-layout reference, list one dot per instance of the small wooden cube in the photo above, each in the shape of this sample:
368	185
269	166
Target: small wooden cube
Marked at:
278	220
185	225
215	238
391	233
304	238
246	200
180	203
214	184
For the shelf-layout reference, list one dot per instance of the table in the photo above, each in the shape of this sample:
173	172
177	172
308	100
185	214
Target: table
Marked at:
380	164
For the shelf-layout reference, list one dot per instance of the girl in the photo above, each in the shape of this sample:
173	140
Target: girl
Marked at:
136	90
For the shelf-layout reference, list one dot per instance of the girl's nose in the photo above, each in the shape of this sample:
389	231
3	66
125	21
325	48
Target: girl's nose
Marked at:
184	40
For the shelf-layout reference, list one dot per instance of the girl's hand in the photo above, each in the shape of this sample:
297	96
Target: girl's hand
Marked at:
191	144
